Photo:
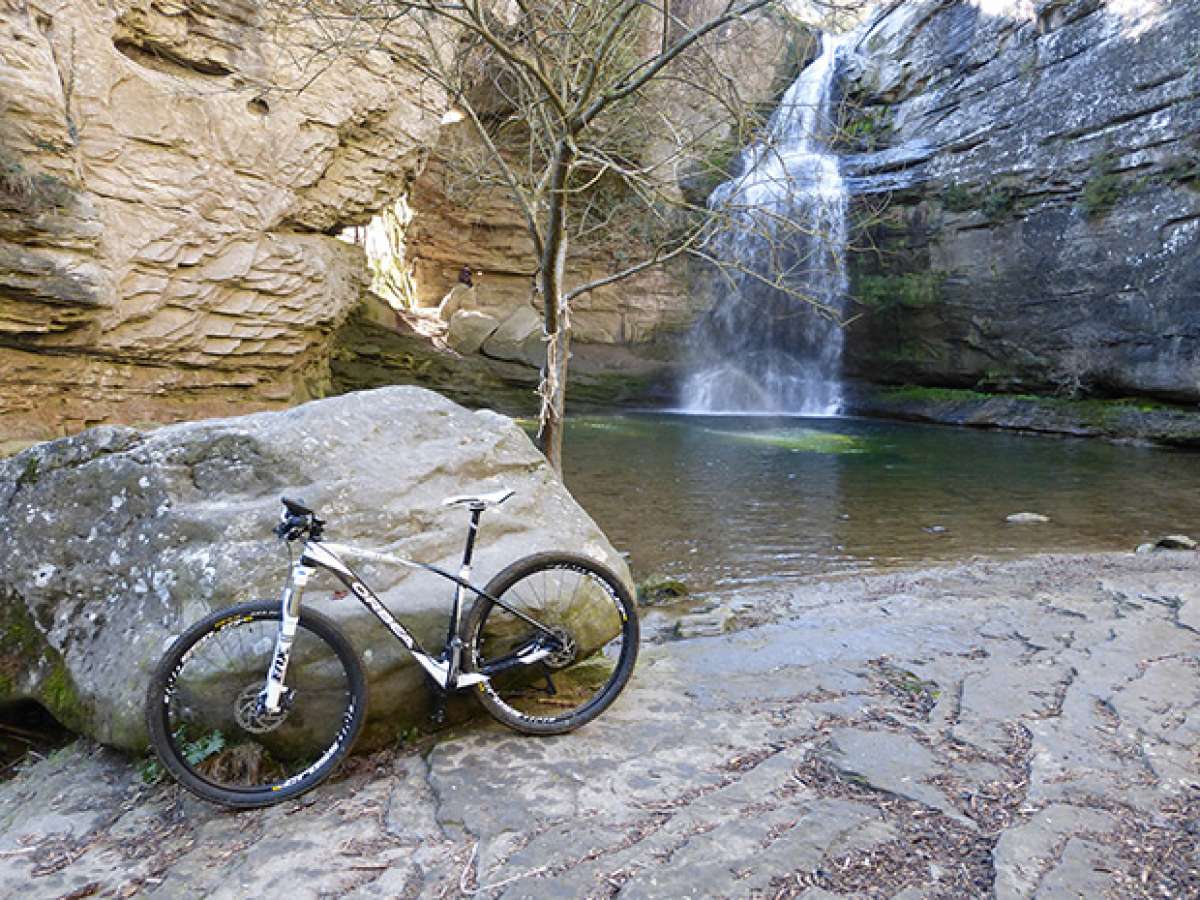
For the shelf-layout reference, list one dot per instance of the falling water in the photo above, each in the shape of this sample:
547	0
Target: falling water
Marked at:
771	342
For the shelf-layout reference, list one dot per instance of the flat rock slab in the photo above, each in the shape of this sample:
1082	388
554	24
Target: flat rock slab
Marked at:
816	756
889	762
1024	853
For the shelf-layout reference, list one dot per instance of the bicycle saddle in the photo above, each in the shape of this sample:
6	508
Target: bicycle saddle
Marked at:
296	507
480	500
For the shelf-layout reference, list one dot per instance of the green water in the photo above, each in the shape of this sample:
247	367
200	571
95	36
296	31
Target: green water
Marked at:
726	503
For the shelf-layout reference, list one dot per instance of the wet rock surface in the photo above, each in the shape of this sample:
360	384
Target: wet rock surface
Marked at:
1042	231
1026	728
1121	420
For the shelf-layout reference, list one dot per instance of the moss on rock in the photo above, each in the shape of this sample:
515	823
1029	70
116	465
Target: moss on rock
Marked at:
1103	188
660	588
30	669
1136	418
21	646
913	290
61	697
804	440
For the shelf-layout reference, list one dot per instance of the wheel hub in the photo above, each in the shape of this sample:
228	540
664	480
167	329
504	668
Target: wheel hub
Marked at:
566	652
251	714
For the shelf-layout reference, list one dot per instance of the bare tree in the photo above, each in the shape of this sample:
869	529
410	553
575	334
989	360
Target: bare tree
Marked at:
602	121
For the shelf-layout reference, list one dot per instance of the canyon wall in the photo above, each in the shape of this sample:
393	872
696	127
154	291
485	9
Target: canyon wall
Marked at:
174	178
681	134
1028	196
454	227
168	206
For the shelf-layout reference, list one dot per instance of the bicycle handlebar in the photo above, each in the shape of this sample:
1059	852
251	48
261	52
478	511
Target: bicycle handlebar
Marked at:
297	520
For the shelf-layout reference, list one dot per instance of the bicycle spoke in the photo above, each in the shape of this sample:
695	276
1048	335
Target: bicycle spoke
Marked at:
216	726
553	679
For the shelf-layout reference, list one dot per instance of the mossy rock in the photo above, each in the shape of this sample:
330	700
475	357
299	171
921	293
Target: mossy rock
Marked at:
996	201
910	290
1100	194
1104	187
116	544
661	588
957	198
31	669
999	202
21	646
1183	170
1139	418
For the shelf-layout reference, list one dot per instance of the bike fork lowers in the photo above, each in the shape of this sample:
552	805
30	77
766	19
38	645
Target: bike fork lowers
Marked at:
289	604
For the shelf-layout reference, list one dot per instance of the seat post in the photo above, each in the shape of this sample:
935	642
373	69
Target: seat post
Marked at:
473	529
454	636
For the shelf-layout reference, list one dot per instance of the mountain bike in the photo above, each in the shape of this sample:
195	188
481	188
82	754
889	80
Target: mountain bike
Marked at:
259	702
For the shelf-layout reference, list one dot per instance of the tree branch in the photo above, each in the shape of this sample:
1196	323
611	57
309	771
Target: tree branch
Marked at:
634	82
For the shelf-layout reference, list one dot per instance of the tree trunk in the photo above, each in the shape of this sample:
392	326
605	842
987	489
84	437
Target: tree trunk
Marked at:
557	317
554	383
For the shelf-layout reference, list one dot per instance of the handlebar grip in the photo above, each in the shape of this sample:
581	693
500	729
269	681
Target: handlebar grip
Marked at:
291	527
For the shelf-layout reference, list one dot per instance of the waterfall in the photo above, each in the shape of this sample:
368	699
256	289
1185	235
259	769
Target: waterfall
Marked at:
762	349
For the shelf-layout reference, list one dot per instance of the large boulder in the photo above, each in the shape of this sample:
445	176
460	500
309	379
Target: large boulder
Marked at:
519	338
113	541
461	296
469	329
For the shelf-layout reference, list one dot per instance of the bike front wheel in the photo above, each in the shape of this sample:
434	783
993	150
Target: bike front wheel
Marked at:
212	733
560	673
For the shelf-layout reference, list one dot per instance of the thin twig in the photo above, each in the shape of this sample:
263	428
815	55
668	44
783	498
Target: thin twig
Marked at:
491	886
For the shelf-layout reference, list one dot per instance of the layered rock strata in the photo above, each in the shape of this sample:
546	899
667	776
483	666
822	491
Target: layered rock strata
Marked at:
169	199
374	349
675	140
167	204
486	232
1041	166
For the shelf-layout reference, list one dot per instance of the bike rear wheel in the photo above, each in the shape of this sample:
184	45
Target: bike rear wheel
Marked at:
541	686
211	733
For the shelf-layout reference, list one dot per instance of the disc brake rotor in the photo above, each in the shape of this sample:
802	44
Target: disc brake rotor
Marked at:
250	714
567	651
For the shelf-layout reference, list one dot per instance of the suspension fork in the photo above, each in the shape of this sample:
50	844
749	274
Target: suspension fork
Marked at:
289	607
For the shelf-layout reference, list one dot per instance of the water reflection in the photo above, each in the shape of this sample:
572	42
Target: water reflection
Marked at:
731	502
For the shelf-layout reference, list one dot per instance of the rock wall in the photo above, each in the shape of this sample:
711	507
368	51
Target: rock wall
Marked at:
167	206
1040	164
485	231
170	203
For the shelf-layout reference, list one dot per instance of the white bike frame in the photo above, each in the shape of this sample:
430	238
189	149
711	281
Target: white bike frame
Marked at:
445	670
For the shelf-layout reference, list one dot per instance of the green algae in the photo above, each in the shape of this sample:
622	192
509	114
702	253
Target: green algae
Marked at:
803	440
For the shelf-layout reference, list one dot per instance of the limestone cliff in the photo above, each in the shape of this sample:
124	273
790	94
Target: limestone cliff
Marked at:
170	201
167	206
1041	167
